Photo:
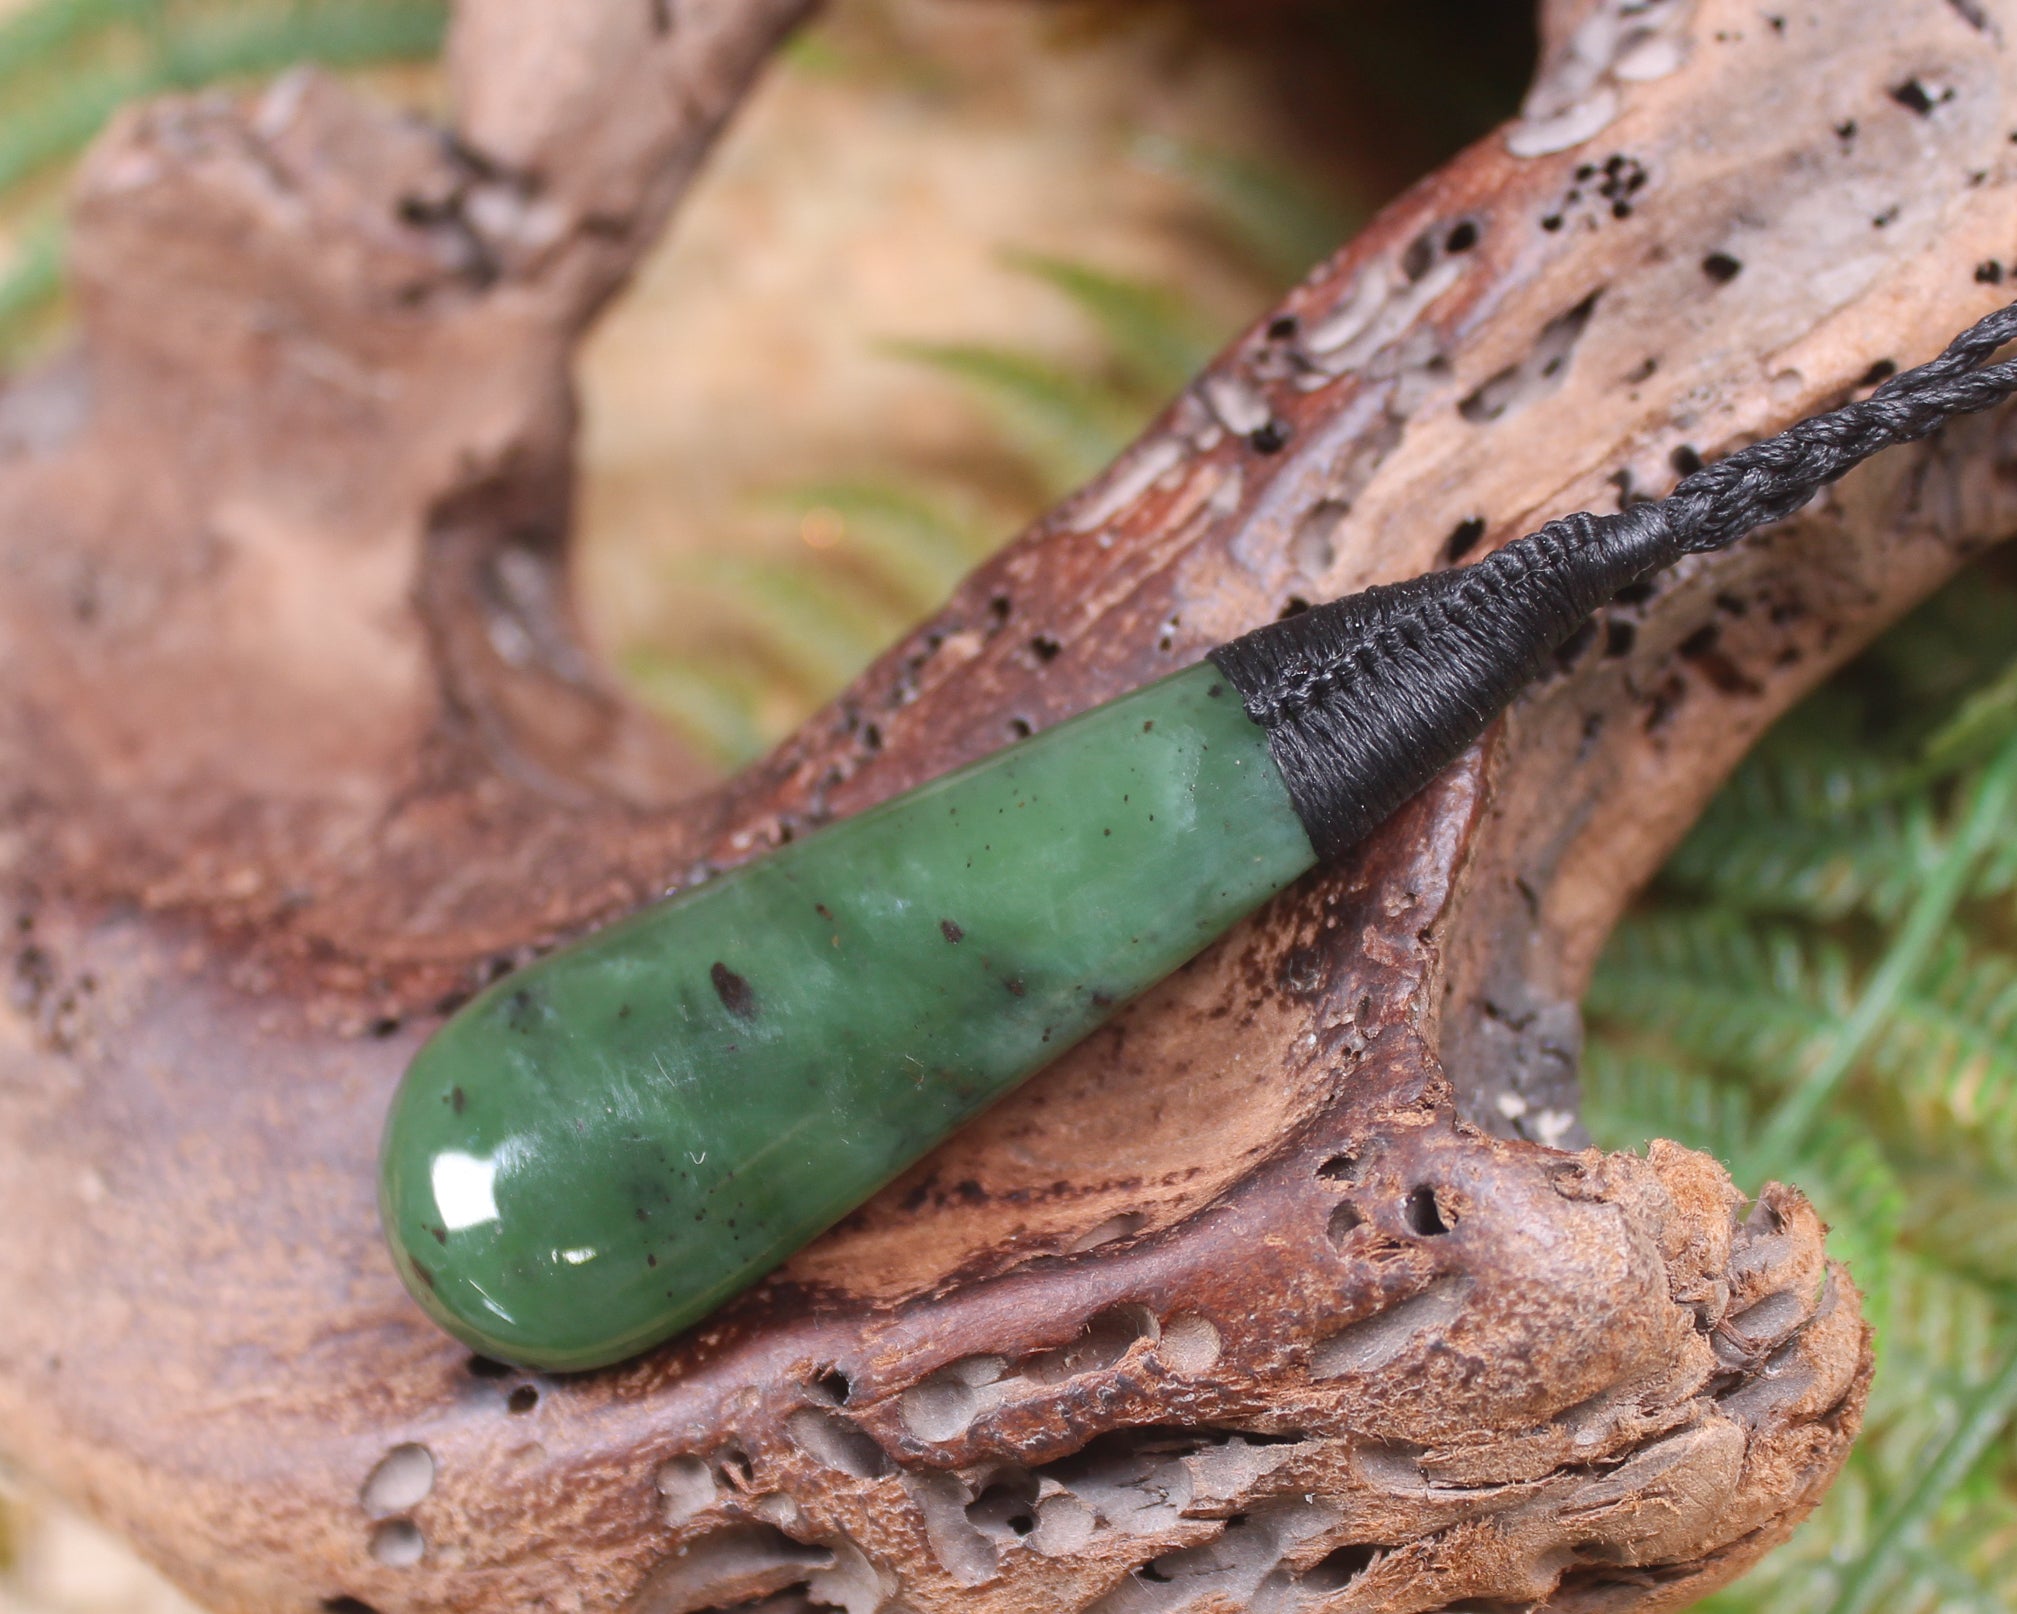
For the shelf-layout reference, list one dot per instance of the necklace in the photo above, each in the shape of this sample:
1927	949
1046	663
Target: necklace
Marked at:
597	1151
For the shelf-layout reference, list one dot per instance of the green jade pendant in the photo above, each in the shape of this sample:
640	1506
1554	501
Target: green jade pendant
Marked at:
602	1148
605	1146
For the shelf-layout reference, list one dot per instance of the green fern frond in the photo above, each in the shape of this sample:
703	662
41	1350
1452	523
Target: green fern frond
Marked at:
60	118
1855	1188
31	289
1773	1000
1950	1327
783	636
1981	816
1965	1206
185	48
1790	837
1157	337
39	35
1997	882
1980	1418
1864	1045
1954	644
705	702
815	629
812	52
880	551
1983	725
67	65
1066	425
331	33
1272	214
1949	1050
1640	1096
1763	998
915	545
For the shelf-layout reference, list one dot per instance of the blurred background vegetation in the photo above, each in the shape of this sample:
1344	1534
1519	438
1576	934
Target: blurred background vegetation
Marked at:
951	257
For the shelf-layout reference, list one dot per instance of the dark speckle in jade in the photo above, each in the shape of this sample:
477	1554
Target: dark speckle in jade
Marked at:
733	991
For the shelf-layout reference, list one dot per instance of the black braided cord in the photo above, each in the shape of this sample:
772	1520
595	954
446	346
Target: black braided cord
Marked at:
1368	698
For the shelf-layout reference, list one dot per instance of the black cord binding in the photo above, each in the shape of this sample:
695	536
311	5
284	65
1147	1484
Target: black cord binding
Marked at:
1367	699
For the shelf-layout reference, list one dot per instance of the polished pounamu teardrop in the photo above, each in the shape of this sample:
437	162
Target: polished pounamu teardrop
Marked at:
603	1147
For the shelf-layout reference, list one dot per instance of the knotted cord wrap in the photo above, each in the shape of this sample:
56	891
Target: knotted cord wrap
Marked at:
1368	698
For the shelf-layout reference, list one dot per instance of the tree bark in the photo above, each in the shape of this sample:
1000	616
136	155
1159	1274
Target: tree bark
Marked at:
1290	1290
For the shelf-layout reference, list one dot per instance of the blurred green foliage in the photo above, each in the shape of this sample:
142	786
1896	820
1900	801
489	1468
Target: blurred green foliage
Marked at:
67	65
871	554
1822	987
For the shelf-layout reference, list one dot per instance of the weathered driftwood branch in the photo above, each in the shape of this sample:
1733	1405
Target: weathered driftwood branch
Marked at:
1239	1306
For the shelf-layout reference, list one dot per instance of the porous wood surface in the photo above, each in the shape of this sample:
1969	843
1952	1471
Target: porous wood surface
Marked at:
1279	1293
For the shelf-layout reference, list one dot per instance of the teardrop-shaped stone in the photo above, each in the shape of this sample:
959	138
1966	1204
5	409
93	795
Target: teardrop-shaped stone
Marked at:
603	1147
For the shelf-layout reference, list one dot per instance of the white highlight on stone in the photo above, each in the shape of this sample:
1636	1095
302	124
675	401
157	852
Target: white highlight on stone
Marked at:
465	1189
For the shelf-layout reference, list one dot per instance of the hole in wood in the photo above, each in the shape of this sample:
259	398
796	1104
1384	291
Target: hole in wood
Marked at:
1125	1225
1337	1570
732	1569
1342	1168
1190	1344
1463	539
1106	1338
1007	1505
688	1487
400	1482
1343	1220
398	1544
1424	1213
837	1442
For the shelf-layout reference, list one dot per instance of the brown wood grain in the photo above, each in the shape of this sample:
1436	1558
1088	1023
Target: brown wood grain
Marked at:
1274	1295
